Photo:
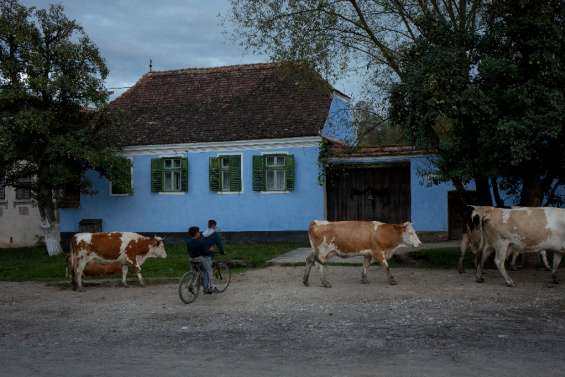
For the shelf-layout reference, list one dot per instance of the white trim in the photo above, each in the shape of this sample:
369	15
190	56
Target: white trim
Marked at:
275	192
170	193
241	173
342	96
132	180
274	153
158	149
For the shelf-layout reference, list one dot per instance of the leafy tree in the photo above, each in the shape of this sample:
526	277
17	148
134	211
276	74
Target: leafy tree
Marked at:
480	82
53	124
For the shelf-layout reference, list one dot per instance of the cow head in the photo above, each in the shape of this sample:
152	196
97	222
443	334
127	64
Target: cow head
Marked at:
409	236
157	248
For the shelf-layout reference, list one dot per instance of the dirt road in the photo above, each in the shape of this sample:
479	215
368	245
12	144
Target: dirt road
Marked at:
434	323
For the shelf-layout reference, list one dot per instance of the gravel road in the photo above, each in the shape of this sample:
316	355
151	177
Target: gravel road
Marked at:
434	323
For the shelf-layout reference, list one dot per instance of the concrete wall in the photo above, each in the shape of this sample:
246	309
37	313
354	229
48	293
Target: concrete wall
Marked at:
19	221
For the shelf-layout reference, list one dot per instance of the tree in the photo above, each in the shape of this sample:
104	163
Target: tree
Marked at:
53	123
478	81
335	36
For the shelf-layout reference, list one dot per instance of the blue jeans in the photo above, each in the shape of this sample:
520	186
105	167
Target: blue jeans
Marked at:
206	270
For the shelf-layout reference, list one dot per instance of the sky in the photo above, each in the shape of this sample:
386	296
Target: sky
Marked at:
173	33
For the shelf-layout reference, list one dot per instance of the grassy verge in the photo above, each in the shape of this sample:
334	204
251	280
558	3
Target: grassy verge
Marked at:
442	258
33	264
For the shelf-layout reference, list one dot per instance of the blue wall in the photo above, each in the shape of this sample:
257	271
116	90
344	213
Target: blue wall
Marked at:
247	211
339	125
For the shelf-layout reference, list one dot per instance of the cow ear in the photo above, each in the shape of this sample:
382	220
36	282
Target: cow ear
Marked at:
405	224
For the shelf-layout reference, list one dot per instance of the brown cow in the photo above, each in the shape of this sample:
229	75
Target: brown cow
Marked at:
372	239
124	248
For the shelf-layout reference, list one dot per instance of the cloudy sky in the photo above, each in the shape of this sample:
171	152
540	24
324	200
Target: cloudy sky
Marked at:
173	33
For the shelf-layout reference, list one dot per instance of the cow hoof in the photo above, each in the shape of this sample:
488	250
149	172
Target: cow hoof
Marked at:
305	282
555	281
510	284
392	281
326	284
480	280
461	270
364	281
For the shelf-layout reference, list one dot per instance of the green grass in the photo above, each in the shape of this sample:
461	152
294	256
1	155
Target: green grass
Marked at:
442	258
33	264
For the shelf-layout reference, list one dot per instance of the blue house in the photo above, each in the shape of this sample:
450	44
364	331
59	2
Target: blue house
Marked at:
238	144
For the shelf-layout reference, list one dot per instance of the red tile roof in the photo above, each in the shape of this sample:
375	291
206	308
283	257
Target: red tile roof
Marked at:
242	102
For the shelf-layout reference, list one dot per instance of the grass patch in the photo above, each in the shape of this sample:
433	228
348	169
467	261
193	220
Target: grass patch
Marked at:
442	258
33	264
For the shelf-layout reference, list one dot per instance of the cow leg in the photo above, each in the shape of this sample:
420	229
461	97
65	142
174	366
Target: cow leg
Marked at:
366	263
380	256
463	248
81	264
513	261
125	275
310	259
499	259
139	276
324	280
481	265
543	254
556	261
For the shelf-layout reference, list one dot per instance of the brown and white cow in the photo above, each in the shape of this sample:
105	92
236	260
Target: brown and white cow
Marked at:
471	240
124	248
525	229
371	239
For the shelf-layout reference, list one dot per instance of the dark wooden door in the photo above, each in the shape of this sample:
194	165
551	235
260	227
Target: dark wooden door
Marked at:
379	192
455	208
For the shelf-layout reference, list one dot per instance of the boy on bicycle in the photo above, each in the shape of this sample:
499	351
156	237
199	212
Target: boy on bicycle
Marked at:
200	250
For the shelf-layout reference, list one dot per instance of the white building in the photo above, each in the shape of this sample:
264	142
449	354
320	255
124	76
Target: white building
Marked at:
20	223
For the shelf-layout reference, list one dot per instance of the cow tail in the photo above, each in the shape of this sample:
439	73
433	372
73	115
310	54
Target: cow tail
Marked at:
71	262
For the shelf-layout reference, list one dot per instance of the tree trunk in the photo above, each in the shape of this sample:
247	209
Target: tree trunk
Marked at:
532	191
50	221
483	191
497	198
52	235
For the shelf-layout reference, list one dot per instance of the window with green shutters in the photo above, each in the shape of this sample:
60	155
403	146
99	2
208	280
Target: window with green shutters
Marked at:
274	172
225	174
169	174
125	184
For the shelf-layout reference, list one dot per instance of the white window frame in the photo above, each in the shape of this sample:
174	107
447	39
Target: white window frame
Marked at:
226	154
274	192
172	170
132	180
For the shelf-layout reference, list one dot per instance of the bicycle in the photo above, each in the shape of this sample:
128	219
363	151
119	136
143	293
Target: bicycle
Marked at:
191	282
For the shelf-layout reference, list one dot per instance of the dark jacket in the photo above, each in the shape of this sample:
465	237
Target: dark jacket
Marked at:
199	248
215	239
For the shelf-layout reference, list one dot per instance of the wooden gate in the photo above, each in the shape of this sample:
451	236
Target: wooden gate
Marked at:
377	192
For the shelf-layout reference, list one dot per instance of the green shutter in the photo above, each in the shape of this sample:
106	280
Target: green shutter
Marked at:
122	185
184	174
258	173
290	173
157	175
235	173
214	174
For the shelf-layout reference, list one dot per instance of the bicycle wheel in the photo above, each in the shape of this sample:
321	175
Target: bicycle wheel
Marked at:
221	276
189	287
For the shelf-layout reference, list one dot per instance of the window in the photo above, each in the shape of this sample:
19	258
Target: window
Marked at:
169	174
225	174
275	173
124	187
24	193
172	175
